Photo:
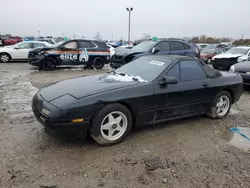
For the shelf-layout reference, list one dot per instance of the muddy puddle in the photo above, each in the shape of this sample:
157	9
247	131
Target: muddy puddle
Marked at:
239	139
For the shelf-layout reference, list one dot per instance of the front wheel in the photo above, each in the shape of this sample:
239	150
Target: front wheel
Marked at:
221	105
49	64
5	58
111	124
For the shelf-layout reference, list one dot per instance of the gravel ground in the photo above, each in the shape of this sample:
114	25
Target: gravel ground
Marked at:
197	152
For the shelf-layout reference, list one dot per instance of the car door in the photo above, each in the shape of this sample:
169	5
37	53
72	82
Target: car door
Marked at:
38	45
179	48
163	48
21	51
85	49
188	97
69	53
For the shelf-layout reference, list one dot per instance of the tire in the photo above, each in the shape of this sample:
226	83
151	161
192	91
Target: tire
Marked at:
5	57
49	64
98	63
101	133
227	102
209	61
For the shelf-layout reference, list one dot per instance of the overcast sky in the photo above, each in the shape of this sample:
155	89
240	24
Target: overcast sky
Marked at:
162	18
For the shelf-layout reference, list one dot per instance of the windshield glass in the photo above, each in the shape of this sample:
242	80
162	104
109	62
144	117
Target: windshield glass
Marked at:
208	50
147	68
144	46
58	44
238	50
211	46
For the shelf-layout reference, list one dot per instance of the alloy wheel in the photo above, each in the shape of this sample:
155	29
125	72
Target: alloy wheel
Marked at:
222	105
5	58
114	125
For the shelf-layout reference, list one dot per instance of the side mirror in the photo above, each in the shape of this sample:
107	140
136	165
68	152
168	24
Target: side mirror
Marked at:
16	48
168	80
155	50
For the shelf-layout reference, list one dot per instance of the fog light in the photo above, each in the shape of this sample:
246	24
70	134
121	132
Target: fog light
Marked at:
77	120
45	111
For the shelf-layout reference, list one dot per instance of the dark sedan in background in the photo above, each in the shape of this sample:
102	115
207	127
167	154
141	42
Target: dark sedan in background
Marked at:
160	46
149	90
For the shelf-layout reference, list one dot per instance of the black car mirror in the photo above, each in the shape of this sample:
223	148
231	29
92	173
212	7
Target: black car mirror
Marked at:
168	80
16	48
155	50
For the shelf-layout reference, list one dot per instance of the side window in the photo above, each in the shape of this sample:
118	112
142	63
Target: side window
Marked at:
25	46
191	71
174	72
163	47
71	45
177	46
38	45
86	44
186	47
100	44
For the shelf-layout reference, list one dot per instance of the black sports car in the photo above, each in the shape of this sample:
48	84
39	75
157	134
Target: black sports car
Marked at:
149	90
73	52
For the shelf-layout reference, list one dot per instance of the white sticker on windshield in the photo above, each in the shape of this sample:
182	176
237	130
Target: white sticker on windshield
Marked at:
158	63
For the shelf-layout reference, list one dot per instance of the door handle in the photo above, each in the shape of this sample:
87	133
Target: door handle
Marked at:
205	84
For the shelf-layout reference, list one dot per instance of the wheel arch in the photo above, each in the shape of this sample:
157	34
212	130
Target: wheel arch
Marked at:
6	53
103	104
230	91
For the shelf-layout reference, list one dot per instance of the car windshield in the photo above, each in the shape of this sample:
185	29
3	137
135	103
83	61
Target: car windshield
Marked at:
141	67
238	50
57	44
208	50
211	46
144	46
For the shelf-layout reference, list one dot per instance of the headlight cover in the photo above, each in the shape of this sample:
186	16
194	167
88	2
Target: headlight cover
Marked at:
232	69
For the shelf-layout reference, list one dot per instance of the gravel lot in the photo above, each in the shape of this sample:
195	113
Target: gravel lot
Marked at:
197	152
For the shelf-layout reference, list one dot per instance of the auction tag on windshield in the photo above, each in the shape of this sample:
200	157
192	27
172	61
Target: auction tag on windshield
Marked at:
158	63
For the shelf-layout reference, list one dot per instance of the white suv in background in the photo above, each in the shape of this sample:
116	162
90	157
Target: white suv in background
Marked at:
20	50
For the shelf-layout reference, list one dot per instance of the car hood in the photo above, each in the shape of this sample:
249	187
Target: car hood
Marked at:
243	66
227	55
83	86
6	48
124	51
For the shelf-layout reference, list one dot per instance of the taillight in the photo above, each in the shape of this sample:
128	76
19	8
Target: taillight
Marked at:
108	50
198	53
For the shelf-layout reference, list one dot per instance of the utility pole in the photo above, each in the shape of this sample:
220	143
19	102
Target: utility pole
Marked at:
130	9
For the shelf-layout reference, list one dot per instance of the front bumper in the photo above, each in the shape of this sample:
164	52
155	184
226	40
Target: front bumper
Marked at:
57	125
246	79
35	61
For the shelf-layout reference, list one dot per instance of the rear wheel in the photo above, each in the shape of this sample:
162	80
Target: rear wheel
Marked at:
5	58
111	124
98	63
49	64
220	106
